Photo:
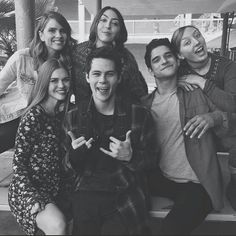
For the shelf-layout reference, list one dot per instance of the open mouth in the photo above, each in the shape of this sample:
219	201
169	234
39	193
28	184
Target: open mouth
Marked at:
103	90
199	50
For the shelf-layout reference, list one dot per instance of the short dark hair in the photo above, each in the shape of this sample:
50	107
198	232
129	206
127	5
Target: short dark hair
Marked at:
154	44
123	34
105	52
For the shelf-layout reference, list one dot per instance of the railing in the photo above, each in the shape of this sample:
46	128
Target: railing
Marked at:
166	27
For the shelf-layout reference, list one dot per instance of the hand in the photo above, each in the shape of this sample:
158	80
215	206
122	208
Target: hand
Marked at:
36	208
198	125
182	82
120	150
78	142
193	80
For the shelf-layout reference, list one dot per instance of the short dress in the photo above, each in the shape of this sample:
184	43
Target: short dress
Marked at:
36	166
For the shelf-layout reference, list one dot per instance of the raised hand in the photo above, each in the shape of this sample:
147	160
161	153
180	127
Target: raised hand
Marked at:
120	150
199	124
78	142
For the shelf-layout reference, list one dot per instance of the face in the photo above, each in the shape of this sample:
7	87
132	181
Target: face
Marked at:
54	36
59	85
108	28
193	46
103	79
163	63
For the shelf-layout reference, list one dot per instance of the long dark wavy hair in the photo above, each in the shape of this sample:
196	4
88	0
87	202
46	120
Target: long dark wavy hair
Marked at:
38	49
120	39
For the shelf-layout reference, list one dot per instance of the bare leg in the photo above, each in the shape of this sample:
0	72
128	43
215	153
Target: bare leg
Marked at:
51	220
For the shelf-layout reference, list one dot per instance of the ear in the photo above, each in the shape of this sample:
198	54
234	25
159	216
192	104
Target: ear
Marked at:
151	72
41	36
87	78
180	57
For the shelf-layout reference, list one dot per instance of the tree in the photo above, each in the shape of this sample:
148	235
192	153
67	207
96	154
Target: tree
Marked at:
7	22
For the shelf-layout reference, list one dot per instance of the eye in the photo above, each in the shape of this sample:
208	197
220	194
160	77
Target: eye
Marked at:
96	74
186	42
111	73
156	59
66	80
103	20
62	31
52	30
169	55
53	80
115	23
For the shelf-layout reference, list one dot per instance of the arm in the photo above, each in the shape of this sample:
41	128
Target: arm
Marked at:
144	140
215	119
224	98
132	77
8	74
27	131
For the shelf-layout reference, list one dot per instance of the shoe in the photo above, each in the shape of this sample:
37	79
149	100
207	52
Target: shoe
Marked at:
231	193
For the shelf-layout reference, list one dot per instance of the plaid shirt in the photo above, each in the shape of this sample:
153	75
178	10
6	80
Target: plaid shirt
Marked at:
125	178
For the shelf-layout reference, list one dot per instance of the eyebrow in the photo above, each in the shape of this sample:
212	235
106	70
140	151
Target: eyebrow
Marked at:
111	18
195	30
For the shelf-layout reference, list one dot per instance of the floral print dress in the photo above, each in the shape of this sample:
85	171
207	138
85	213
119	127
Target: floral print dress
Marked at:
36	166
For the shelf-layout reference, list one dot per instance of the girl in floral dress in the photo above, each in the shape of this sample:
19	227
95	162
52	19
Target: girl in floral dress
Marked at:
37	169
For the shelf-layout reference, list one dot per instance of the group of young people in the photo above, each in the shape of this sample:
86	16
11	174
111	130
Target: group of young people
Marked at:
99	160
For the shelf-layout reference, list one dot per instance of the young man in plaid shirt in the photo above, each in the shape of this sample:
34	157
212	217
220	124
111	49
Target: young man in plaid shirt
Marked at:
112	145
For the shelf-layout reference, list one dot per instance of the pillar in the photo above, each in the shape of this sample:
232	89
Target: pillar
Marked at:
25	19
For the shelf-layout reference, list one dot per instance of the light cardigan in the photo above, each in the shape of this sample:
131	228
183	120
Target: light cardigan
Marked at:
17	80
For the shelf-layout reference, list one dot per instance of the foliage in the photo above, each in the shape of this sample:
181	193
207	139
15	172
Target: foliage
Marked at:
7	22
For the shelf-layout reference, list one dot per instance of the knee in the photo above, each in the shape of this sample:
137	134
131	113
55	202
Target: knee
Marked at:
57	226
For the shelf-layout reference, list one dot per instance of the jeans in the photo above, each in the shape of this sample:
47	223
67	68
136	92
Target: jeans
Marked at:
191	204
8	134
94	213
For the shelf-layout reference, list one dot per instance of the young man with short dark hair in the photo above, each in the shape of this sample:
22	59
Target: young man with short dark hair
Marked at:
113	142
189	171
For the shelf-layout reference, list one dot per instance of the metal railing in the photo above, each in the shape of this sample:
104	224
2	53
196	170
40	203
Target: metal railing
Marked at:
159	26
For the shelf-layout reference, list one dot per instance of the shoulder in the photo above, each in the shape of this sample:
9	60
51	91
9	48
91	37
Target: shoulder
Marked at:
223	61
80	47
35	113
20	55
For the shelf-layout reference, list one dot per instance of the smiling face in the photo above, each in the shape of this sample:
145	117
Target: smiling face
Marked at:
108	28
103	80
59	85
193	46
164	64
54	36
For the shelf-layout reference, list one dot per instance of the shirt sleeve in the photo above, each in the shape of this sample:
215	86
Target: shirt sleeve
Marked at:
28	128
9	73
133	79
224	99
144	140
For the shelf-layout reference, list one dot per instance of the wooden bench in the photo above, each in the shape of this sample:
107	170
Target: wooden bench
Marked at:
161	206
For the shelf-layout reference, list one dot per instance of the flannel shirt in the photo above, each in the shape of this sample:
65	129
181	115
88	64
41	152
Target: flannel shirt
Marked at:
126	178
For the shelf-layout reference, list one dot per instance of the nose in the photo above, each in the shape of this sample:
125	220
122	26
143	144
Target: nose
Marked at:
58	33
163	60
102	78
108	24
60	84
195	41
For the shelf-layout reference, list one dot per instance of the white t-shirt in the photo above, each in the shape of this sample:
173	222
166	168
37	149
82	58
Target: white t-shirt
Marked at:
173	163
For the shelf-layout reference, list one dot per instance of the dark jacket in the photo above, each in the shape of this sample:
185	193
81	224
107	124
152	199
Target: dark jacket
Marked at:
201	153
126	178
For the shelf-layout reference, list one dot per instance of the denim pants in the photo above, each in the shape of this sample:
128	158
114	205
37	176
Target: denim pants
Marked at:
8	134
191	204
94	213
